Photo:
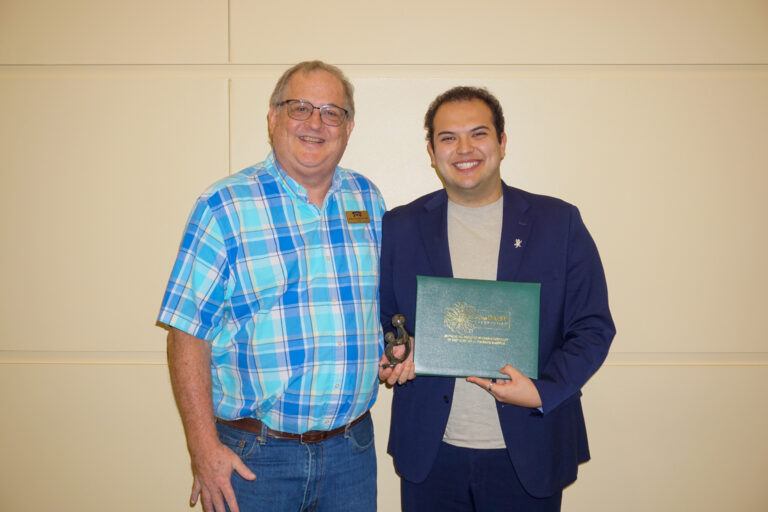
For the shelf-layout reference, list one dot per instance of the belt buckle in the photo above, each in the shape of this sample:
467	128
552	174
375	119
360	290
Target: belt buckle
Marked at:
311	437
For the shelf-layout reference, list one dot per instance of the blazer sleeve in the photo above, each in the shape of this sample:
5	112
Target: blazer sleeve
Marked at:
387	301
587	326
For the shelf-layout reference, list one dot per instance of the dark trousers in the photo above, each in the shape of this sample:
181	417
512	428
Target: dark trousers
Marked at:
468	480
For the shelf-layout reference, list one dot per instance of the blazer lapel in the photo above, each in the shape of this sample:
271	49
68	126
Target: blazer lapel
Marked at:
434	234
515	231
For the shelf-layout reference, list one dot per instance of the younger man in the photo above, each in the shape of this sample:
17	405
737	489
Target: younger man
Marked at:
474	444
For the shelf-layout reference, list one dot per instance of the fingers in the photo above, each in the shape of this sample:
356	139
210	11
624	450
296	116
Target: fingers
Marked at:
243	470
490	385
212	485
406	372
195	492
213	499
517	390
483	383
399	374
510	371
212	503
395	374
229	495
226	490
384	370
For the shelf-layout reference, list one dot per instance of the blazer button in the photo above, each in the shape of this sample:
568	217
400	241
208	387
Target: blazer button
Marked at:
446	399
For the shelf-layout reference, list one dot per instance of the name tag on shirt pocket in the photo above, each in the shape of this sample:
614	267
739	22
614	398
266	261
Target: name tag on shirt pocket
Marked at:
358	217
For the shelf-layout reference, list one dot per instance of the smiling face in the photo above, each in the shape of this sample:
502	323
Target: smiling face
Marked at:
309	151
467	153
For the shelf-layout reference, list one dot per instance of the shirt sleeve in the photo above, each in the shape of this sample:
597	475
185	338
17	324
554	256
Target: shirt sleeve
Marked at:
199	286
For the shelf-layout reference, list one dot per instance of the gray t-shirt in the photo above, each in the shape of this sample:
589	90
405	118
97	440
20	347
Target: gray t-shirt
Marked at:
474	238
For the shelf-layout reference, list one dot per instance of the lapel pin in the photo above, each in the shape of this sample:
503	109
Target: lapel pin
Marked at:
518	243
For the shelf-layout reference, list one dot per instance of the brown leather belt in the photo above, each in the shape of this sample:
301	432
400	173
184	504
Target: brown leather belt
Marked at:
313	436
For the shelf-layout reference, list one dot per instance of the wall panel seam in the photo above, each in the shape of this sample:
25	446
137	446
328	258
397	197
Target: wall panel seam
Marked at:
422	69
229	32
229	126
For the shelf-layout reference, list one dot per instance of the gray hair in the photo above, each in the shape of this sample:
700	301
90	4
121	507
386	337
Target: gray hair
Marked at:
307	67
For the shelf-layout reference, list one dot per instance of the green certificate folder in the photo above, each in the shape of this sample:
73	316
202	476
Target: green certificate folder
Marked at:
471	327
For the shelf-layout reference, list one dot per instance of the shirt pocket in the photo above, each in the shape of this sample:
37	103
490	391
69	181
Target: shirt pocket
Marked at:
364	253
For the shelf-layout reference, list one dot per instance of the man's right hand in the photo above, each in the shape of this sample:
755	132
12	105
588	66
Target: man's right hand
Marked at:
402	372
212	468
189	363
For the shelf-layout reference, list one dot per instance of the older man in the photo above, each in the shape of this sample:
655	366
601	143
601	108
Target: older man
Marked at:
274	339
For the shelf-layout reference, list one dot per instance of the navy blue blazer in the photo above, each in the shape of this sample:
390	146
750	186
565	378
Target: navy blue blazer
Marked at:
576	330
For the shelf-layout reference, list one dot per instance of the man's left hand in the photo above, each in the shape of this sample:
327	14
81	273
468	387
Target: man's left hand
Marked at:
518	390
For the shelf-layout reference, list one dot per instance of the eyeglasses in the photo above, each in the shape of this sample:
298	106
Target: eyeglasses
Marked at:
301	110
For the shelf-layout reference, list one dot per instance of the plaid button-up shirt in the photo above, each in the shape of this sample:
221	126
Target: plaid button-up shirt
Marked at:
287	295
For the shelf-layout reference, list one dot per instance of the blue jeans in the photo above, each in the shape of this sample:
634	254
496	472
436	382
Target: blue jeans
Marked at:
336	475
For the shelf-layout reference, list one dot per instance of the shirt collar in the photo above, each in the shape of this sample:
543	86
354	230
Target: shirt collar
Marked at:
293	186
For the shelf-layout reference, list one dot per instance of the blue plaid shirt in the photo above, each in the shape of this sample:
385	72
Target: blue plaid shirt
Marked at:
287	295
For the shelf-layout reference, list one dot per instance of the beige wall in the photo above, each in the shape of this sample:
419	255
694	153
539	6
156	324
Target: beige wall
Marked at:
651	116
